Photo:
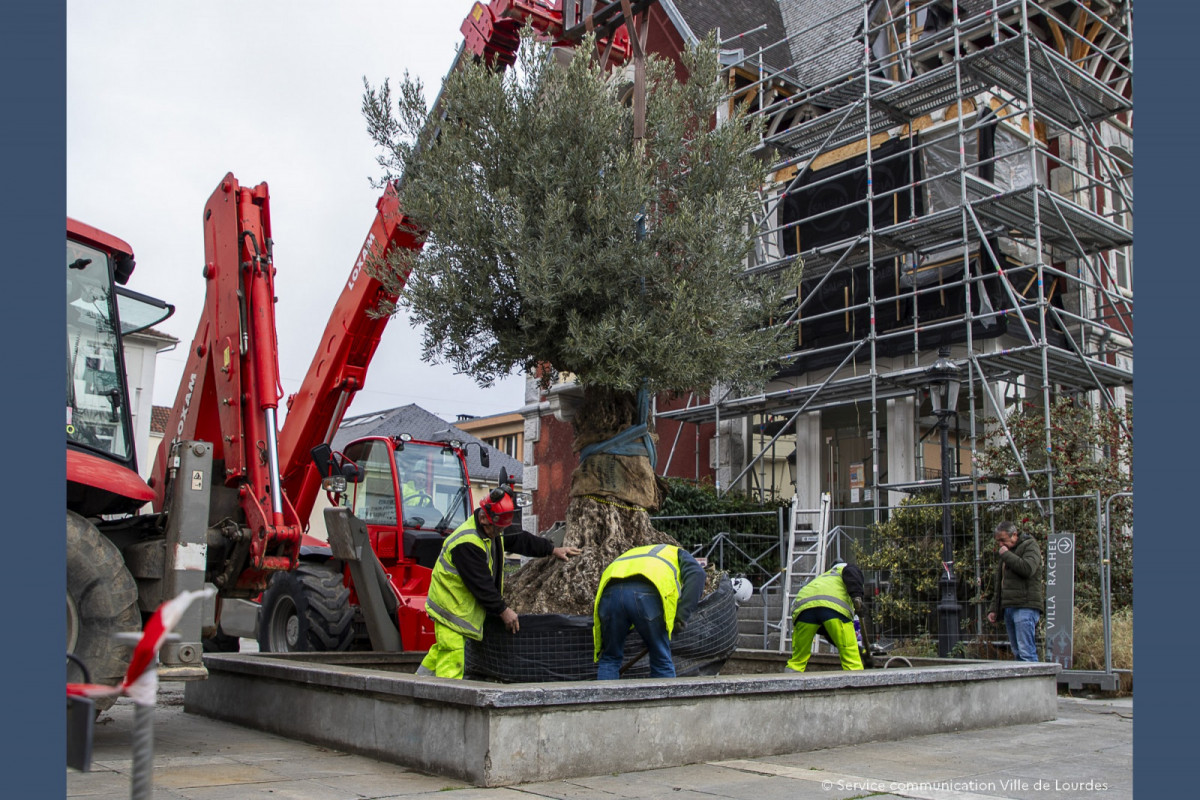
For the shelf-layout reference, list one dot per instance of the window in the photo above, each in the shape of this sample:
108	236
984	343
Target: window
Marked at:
96	402
373	499
433	487
1121	256
506	444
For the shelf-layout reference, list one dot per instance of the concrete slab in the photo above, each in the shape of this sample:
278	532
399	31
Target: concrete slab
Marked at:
490	734
1097	728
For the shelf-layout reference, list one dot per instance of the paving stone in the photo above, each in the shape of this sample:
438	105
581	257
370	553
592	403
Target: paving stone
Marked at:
396	784
197	775
273	790
100	782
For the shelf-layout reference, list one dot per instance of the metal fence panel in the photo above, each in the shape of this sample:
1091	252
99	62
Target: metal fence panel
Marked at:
901	557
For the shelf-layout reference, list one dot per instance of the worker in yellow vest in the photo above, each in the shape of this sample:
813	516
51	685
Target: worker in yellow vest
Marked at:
468	580
652	589
828	601
413	494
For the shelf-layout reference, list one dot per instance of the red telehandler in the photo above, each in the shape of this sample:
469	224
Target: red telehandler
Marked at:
219	515
266	483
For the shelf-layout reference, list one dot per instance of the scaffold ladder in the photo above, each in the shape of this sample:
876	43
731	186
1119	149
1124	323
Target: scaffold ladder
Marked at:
807	540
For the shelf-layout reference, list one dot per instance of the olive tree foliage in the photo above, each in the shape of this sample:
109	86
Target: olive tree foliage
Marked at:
529	187
555	243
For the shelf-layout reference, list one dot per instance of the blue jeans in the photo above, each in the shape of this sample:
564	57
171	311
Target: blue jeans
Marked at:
1022	632
633	603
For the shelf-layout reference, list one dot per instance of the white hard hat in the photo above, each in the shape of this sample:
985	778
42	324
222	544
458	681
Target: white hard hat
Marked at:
742	589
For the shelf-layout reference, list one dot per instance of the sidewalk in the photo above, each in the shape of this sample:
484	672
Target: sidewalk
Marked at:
1087	752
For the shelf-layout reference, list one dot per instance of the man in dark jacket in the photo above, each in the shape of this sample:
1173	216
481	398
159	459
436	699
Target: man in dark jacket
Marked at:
1020	589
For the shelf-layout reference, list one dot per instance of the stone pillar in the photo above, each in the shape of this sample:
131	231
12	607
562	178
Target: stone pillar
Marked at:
808	459
901	445
727	453
532	412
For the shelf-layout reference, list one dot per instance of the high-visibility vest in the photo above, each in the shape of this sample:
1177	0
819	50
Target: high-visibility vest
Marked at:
824	591
450	602
657	563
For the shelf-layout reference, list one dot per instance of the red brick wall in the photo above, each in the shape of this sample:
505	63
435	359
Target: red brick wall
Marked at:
690	459
555	462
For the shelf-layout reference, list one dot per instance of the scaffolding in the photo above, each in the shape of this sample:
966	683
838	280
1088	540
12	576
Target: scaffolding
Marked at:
952	174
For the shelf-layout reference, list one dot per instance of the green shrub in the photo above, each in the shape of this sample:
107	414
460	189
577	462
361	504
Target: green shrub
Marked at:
755	531
905	554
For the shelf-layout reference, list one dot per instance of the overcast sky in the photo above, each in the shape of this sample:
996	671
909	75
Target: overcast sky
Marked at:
164	98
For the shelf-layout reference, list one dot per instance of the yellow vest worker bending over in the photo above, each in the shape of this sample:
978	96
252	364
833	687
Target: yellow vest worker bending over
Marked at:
828	601
652	589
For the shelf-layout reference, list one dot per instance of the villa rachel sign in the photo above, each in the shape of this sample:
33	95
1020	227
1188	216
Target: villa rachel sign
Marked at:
1060	597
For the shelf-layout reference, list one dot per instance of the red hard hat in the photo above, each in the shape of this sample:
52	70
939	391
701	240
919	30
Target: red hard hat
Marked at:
498	507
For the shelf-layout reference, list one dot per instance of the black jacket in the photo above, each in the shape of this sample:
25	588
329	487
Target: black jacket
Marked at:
691	578
1020	577
472	567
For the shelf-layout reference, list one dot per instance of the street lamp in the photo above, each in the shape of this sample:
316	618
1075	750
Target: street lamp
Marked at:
944	384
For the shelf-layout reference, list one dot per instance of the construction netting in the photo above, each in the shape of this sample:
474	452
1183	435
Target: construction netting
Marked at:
558	647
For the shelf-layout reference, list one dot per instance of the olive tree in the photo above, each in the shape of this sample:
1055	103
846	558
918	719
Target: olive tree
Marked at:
554	244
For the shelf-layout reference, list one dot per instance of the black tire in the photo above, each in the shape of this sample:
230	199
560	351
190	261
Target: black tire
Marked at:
222	643
101	602
306	610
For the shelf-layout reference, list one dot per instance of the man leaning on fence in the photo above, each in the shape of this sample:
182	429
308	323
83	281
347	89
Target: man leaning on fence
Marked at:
1020	591
828	601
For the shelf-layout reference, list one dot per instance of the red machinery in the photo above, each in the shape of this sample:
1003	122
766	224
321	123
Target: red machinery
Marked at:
492	30
231	496
104	490
229	394
265	484
407	495
311	608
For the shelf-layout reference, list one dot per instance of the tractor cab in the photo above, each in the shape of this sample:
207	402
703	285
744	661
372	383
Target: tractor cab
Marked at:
100	445
410	495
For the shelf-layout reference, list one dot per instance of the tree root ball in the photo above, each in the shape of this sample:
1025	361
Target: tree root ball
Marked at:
603	531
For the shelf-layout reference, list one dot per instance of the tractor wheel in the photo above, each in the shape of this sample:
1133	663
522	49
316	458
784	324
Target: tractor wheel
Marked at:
101	602
306	610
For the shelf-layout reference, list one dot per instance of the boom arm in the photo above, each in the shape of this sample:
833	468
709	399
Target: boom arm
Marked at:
339	368
230	391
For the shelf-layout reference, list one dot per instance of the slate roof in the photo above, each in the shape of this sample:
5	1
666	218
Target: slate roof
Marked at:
836	34
834	38
735	17
420	424
826	33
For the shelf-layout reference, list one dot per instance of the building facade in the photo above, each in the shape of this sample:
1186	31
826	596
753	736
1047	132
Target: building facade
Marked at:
953	176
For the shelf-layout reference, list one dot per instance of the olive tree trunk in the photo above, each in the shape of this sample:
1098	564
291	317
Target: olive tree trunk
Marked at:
609	512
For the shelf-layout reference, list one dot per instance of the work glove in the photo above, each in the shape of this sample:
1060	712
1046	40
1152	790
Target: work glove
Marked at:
858	604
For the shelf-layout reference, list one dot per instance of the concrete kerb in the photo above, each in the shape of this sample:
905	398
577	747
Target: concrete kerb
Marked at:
493	735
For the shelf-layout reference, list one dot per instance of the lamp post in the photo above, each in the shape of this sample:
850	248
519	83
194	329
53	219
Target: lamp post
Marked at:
944	384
